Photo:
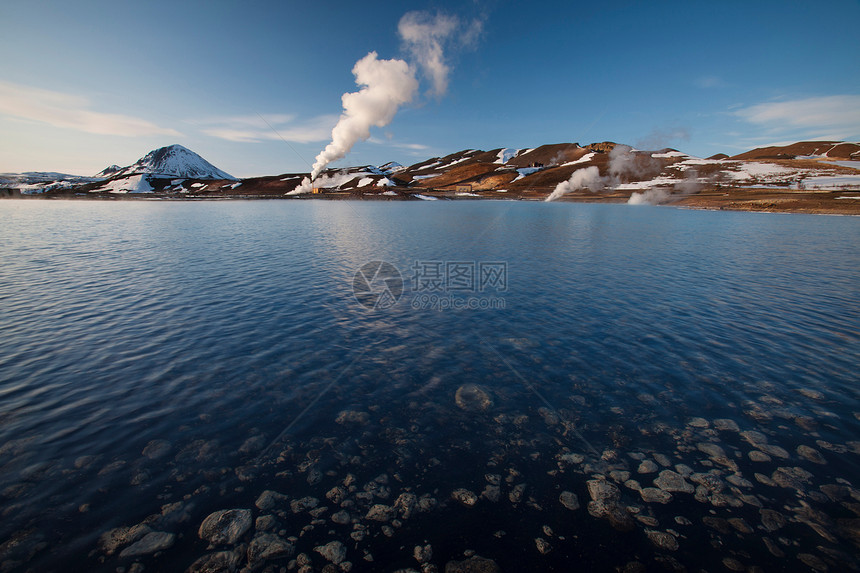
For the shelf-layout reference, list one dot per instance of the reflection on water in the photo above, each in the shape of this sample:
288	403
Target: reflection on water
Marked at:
662	389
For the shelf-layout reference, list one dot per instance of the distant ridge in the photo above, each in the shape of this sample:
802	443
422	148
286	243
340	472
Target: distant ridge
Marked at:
109	171
825	149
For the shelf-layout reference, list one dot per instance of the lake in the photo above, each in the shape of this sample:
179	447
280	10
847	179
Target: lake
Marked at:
547	386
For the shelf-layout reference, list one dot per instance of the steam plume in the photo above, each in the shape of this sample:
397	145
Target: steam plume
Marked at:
625	164
588	178
650	197
386	85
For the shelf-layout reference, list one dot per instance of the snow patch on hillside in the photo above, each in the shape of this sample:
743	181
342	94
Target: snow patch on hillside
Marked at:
506	155
835	183
133	184
584	159
525	171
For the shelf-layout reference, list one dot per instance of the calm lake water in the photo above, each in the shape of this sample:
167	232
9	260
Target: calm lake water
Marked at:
161	361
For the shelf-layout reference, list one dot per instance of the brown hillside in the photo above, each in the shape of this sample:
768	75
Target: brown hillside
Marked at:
830	149
552	154
465	173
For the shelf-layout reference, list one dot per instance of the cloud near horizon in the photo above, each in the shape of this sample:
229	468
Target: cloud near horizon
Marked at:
69	111
818	118
256	129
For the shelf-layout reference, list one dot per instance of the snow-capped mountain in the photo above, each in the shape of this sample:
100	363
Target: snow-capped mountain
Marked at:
172	161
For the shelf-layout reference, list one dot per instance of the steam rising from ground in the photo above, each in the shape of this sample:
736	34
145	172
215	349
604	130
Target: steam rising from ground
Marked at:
659	195
649	197
588	178
386	85
625	165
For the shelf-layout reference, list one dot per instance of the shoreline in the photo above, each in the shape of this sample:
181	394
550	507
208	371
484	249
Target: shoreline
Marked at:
749	200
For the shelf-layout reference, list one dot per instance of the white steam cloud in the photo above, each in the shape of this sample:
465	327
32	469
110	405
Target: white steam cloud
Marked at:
650	197
588	178
626	164
386	85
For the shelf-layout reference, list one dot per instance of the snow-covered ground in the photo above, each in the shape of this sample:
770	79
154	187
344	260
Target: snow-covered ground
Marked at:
669	154
661	181
506	155
524	171
584	159
34	182
851	164
827	182
133	184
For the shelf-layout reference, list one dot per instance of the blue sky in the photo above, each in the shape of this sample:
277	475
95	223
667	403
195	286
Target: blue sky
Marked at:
87	84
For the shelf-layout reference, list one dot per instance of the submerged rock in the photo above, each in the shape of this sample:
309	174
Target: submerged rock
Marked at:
474	564
604	503
740	524
465	497
157	449
352	417
647	467
112	540
150	543
673	482
303	504
492	493
226	526
341	517
423	554
333	551
543	546
405	504
726	425
662	539
810	454
268	499
654	495
253	444
221	562
812	561
472	398
268	546
569	500
381	512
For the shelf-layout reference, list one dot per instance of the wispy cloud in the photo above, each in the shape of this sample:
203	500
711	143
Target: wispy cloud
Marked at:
71	112
427	37
819	118
254	129
709	82
399	145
